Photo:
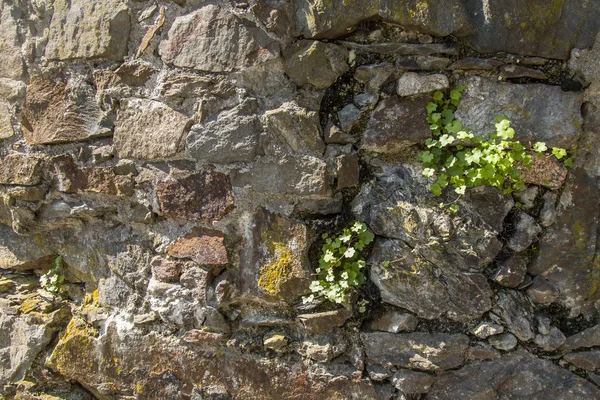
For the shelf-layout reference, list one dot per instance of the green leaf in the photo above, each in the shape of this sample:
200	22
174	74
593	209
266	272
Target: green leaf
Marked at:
540	147
454	208
431	107
559	152
435	189
438	97
426	156
568	162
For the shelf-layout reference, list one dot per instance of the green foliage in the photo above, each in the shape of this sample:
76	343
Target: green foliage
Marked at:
52	280
454	156
340	266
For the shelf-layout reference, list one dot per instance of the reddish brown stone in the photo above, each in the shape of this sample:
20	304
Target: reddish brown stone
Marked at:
348	171
205	248
20	169
28	193
166	270
69	178
198	336
544	171
202	196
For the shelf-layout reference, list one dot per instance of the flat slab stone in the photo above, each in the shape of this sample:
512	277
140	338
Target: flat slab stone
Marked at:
78	30
21	169
548	29
148	130
340	17
402	49
203	40
416	350
537	112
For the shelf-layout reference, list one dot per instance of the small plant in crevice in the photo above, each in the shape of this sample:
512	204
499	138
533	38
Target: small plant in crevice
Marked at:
454	156
341	267
52	280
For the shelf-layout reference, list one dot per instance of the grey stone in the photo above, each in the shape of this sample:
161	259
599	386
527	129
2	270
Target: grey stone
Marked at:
551	341
537	112
411	83
267	80
481	351
335	135
297	175
403	49
203	40
529	28
378	373
231	136
412	382
527	197
583	63
543	323
341	17
298	126
474	63
541	291
324	321
515	310
487	329
588	360
566	250
148	130
422	63
587	338
80	31
13	65
525	233
395	125
548	212
324	349
394	322
516	71
363	100
518	375
418	350
277	343
373	75
23	252
511	272
348	117
505	341
316	63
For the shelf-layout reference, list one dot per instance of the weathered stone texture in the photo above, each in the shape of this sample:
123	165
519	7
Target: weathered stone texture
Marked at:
316	63
11	39
148	130
81	29
215	40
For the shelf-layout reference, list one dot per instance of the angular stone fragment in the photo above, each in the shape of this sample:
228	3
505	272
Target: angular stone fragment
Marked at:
482	351
566	250
316	63
411	83
402	49
6	128
471	63
148	130
537	112
528	27
348	117
487	329
340	17
298	175
78	30
325	321
335	135
230	137
584	339
166	270
12	65
57	111
588	360
394	322
515	375
511	272
21	169
526	231
541	291
274	261
584	64
544	171
395	125
412	382
348	171
550	341
418	350
516	71
374	75
422	63
203	246
203	196
516	312
298	126
215	40
23	252
506	341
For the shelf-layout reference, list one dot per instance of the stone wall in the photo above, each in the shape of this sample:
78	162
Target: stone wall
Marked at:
173	152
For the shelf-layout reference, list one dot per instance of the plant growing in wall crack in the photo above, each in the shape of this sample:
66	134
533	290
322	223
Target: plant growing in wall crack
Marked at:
454	156
341	267
53	279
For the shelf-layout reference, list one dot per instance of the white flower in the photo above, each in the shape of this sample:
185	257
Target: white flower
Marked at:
350	252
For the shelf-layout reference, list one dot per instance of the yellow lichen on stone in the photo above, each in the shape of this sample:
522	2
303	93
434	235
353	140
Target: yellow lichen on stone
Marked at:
274	274
75	352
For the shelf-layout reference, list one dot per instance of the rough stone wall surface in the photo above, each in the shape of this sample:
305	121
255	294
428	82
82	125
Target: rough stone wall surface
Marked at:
174	155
